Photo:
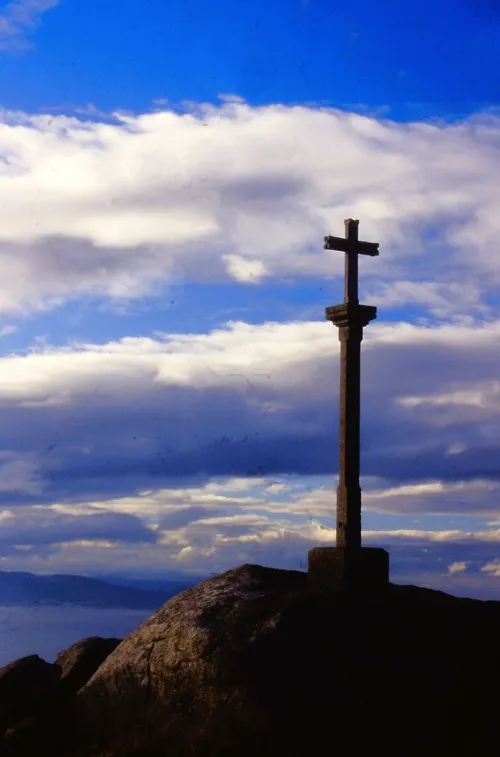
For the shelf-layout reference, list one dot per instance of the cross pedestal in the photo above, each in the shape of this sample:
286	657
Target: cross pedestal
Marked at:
349	565
364	570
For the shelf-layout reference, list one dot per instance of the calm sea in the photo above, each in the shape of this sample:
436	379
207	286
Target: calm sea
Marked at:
45	631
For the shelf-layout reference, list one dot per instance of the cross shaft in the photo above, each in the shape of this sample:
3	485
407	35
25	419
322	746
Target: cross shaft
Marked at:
350	317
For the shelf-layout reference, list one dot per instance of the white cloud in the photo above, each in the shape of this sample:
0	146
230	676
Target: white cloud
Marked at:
240	193
456	449
441	299
491	535
242	357
457	567
492	568
246	271
20	17
486	396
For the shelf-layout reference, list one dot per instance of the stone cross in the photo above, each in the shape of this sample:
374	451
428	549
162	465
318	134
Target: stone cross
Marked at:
348	564
350	317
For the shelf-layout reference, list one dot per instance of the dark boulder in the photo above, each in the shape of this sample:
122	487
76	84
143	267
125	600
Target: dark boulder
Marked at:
28	686
36	697
80	661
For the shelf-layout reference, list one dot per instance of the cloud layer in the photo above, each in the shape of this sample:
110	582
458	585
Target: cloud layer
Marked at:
218	449
238	522
197	452
118	207
249	400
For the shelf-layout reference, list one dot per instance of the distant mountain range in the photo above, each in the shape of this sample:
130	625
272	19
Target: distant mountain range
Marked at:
29	589
166	583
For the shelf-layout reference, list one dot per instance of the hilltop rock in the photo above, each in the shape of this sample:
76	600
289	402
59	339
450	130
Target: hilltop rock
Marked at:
257	662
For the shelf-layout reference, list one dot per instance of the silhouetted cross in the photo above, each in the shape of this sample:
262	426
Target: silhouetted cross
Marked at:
352	248
350	317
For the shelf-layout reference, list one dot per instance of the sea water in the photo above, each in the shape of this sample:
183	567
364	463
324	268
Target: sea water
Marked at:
46	630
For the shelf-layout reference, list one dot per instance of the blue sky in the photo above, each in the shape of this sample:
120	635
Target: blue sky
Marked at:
432	58
168	383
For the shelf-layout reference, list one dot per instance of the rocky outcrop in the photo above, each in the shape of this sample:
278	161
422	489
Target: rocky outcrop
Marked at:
79	662
28	686
35	695
257	662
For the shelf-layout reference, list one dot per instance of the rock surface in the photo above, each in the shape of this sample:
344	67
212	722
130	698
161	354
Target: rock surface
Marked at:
256	662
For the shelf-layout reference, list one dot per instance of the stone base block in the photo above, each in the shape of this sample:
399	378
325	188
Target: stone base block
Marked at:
366	569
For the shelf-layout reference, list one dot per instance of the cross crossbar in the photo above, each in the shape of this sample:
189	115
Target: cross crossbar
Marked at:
345	245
